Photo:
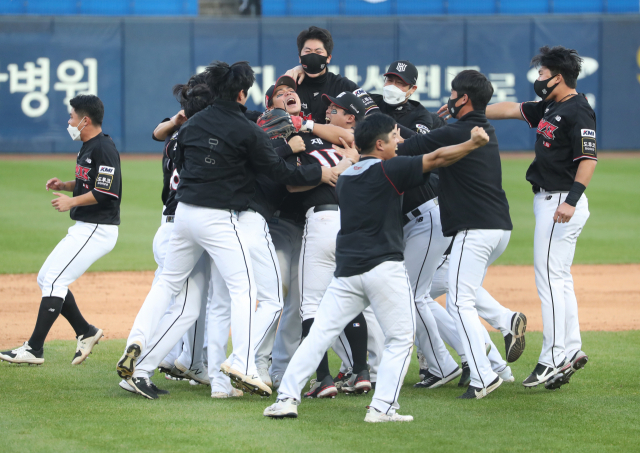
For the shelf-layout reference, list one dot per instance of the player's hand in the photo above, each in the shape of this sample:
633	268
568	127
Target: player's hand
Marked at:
399	138
55	184
342	166
348	151
296	74
179	118
443	112
564	213
329	176
297	144
63	203
479	137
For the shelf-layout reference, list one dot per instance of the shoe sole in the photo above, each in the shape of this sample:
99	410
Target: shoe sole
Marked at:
251	388
562	378
358	389
127	362
490	389
94	341
35	361
122	386
518	329
330	392
138	392
280	416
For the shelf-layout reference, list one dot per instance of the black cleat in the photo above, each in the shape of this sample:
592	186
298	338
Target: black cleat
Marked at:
323	389
475	393
541	374
431	381
578	361
144	387
514	340
341	379
359	383
465	377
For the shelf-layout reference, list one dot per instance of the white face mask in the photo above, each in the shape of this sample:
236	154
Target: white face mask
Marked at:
74	132
393	95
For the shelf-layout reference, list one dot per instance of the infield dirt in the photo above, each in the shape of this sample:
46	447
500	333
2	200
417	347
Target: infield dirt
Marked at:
608	299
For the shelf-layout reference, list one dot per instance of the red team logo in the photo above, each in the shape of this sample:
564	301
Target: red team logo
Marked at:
546	129
82	172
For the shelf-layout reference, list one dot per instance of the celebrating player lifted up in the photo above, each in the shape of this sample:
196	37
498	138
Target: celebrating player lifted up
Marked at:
369	264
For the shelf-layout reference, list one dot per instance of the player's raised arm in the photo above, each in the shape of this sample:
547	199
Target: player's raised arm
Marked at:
443	157
504	111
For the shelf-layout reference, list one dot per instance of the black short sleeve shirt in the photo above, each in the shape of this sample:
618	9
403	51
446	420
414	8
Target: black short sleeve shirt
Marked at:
370	194
98	172
566	134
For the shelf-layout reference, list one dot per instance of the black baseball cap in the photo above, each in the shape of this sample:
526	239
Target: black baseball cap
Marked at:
282	80
348	101
405	70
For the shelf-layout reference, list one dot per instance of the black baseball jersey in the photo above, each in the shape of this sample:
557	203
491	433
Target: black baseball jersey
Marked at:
310	92
370	194
566	134
220	152
167	165
316	151
471	194
171	203
98	172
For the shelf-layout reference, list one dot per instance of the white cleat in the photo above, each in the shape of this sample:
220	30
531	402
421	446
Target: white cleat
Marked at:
235	393
252	383
23	354
86	344
375	416
285	408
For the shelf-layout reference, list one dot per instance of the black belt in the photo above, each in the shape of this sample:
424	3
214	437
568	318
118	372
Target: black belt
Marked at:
406	219
325	207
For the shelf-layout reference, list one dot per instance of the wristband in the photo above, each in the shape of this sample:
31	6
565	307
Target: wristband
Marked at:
574	194
307	126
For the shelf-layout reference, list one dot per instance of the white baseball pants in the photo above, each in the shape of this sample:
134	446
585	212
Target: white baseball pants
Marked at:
554	245
424	245
287	239
84	244
266	272
198	229
387	289
472	253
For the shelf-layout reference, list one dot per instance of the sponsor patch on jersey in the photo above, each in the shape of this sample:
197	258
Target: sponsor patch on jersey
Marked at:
82	172
588	133
359	92
421	128
104	181
546	144
106	170
589	147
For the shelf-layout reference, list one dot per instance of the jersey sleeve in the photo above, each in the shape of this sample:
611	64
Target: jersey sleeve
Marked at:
427	121
403	173
369	104
583	134
153	136
532	112
421	144
107	183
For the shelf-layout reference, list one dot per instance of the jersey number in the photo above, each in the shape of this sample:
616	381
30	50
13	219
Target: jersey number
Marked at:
326	157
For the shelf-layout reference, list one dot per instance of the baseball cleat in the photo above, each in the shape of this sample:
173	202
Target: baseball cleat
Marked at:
127	362
251	383
225	366
478	393
514	341
431	381
85	344
143	387
264	376
235	393
126	386
341	379
578	361
465	376
541	374
358	383
506	375
285	408
322	389
375	416
182	372
164	367
23	354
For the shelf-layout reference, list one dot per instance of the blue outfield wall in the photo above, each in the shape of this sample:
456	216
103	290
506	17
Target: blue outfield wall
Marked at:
132	64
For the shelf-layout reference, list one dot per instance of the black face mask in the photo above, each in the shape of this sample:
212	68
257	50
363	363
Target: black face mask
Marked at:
312	63
451	105
541	88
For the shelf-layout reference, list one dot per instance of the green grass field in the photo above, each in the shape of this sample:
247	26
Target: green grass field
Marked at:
56	407
30	227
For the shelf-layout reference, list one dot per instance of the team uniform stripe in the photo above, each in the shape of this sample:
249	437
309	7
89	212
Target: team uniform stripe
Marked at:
585	157
105	192
524	116
74	257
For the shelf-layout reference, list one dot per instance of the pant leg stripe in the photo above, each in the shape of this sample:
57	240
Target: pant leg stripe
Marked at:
456	304
553	308
193	345
347	352
186	293
275	268
275	316
304	249
74	257
252	305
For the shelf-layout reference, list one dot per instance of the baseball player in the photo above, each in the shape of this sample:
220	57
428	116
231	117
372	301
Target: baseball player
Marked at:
369	265
315	47
95	206
474	210
565	160
219	151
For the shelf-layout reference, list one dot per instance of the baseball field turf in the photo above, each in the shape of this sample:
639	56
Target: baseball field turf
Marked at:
57	407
